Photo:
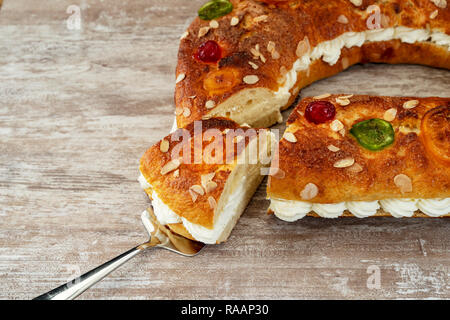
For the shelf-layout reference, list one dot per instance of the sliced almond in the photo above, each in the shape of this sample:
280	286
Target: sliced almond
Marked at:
440	3
403	182
342	19
344	163
262	18
164	145
197	189
333	148
170	166
356	2
390	114
203	31
336	125
263	59
194	195
214	24
309	192
180	78
234	21
411	104
271	46
210	186
212	203
322	96
355	168
251	79
210	104
289	136
176	173
434	14
343	101
205	178
276	55
254	65
186	112
303	47
184	35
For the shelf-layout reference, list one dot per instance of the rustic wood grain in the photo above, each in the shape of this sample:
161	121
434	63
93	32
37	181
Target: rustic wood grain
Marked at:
77	110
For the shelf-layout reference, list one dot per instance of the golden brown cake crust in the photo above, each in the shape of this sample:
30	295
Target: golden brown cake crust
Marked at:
373	176
175	189
286	24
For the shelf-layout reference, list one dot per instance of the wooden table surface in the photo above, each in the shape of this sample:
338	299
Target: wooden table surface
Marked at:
77	110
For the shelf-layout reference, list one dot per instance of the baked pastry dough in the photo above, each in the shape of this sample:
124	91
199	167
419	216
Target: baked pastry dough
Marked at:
201	178
269	50
348	164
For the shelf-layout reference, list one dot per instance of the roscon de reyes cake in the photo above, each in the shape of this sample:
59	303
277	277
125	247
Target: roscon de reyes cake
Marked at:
363	156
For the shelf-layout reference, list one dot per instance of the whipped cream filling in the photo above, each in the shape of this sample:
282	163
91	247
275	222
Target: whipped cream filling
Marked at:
292	210
228	213
330	51
166	216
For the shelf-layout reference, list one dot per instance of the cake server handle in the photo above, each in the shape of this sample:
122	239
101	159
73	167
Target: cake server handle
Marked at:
77	286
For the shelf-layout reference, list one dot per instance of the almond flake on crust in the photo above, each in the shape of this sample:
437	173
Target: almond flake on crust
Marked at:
212	203
254	65
344	163
390	114
164	146
203	31
333	148
170	166
322	96
194	195
251	79
343	101
303	47
263	59
234	21
210	186
440	3
178	111
355	168
210	104
197	189
180	77
176	173
342	19
205	178
184	35
336	125
186	112
309	192
289	136
434	14
403	182
411	104
262	18
356	2
276	55
214	24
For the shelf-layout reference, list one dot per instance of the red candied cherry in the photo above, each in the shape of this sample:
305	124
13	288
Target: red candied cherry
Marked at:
209	52
320	111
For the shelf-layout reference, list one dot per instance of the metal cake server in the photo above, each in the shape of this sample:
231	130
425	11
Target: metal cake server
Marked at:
160	237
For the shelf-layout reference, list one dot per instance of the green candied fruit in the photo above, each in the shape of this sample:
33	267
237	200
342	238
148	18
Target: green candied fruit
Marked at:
373	134
215	9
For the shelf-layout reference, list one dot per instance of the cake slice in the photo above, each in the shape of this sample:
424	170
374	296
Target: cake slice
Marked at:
200	178
344	155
